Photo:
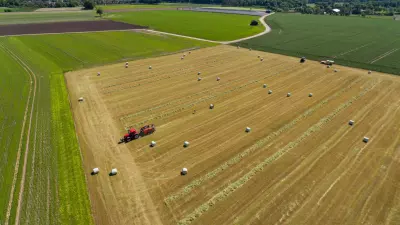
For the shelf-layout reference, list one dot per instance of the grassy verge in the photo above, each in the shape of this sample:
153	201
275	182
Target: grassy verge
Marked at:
350	41
71	188
211	26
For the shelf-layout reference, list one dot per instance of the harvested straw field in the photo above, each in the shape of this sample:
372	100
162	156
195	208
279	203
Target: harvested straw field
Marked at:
302	163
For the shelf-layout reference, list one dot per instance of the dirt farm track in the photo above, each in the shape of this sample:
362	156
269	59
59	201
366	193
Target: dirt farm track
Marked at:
302	163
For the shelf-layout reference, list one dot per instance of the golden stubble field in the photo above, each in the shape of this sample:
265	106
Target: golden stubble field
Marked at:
300	164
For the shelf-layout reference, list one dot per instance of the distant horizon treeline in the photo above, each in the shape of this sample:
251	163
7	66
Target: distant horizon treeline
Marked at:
347	7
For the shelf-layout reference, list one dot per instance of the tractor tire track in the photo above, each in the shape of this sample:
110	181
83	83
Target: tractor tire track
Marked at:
33	95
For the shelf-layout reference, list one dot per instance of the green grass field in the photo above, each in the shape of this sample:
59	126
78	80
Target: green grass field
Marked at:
358	42
17	9
43	17
211	26
55	190
144	6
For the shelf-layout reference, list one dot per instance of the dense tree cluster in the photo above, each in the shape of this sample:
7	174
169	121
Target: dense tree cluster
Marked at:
346	7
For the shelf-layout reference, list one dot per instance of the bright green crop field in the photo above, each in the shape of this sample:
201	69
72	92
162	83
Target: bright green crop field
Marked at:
51	184
43	17
211	26
372	44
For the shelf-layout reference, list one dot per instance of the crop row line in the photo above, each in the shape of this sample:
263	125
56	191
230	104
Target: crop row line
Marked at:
243	180
237	158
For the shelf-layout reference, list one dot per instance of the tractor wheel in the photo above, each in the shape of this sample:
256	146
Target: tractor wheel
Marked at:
137	136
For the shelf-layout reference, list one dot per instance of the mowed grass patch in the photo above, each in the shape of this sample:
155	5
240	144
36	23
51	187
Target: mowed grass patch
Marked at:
45	17
351	41
55	190
144	6
211	26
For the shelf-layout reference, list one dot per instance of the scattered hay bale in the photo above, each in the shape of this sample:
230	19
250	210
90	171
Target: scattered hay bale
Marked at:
95	171
211	106
186	144
198	73
184	171
126	66
328	66
369	72
182	58
113	172
150	67
218	78
248	129
153	143
199	79
250	49
258	56
269	91
98	73
190	52
289	94
310	95
336	70
365	139
262	59
264	85
80	99
351	122
184	55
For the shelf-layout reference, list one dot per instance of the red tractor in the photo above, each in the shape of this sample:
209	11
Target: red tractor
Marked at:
133	134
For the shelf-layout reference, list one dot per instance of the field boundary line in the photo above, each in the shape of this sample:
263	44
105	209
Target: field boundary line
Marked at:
352	50
261	19
17	162
220	196
383	55
185	190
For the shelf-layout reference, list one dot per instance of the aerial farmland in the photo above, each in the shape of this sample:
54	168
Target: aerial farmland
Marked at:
178	113
300	158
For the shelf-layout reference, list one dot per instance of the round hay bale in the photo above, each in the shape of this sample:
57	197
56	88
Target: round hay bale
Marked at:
328	66
182	58
126	63
248	129
250	49
198	73
262	59
95	171
365	139
153	143
310	95
351	122
184	171
190	52
289	94
150	67
264	85
336	70
184	55
98	73
369	72
126	66
186	144
211	106
114	172
218	78
80	99
199	79
269	92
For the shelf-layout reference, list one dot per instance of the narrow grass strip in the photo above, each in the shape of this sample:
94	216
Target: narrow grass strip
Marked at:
243	180
237	158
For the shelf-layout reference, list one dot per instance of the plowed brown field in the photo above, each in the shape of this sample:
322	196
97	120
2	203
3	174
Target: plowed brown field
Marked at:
300	164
